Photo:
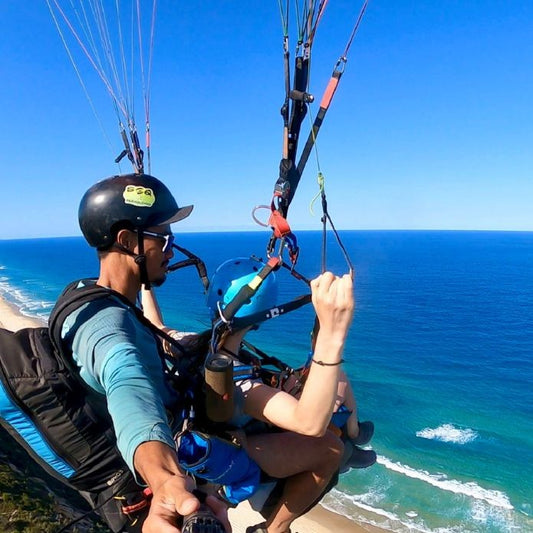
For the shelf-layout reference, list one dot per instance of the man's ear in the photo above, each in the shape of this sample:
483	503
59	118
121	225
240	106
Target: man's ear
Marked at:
127	239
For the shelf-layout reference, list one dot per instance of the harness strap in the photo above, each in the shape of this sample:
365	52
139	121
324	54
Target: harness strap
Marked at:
247	291
67	303
267	314
192	260
243	372
144	498
264	358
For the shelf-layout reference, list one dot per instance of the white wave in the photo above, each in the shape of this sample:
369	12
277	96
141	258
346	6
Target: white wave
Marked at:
26	305
448	433
471	489
344	504
364	508
500	519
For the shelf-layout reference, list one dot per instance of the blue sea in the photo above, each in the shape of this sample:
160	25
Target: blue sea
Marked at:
439	356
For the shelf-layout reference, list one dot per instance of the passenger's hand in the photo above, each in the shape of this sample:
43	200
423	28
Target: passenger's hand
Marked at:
333	301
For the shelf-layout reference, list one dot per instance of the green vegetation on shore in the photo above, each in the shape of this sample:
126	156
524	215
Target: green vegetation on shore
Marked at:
31	501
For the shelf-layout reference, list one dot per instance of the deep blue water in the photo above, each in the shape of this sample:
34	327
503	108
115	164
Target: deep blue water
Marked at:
439	356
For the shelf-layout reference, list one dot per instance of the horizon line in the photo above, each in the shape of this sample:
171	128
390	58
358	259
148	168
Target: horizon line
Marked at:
247	230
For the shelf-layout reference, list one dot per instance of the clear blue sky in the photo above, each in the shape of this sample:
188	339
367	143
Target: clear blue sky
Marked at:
431	128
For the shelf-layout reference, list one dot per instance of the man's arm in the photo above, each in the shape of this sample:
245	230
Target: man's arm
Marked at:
157	464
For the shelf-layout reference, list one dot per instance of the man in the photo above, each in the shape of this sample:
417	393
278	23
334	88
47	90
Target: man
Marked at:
127	219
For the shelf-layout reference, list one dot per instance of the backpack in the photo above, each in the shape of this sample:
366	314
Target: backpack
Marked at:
59	420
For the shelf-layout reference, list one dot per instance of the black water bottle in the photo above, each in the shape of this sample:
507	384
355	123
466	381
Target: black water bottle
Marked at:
219	387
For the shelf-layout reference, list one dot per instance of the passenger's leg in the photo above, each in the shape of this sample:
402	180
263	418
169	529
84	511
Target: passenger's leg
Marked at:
307	463
346	396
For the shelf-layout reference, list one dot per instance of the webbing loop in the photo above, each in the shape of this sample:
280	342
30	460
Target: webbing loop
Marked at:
279	224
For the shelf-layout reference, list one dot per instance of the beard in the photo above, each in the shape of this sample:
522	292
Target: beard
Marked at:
159	281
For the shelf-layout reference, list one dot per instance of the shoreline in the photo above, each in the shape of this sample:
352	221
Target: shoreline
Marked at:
318	520
11	318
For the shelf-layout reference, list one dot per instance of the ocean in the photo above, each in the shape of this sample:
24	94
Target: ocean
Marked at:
439	356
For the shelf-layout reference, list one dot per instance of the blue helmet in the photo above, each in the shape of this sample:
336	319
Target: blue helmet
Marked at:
228	279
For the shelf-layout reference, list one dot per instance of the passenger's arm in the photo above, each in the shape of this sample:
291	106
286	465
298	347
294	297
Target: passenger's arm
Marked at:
151	309
311	413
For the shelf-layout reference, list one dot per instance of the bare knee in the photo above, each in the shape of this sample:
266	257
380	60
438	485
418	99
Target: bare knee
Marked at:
287	454
329	452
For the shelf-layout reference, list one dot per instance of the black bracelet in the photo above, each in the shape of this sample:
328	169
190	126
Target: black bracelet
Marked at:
321	363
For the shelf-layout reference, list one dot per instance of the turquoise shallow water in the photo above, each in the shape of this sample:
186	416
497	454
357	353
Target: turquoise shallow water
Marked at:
439	356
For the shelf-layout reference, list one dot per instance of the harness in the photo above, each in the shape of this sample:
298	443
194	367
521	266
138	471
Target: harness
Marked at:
256	364
61	422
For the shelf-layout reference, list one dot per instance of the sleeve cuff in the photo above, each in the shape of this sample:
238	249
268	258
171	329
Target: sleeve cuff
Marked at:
160	433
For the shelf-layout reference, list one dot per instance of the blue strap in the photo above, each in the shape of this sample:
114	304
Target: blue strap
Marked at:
24	426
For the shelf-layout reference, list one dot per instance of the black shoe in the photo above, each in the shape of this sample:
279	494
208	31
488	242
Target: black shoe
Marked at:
361	458
366	431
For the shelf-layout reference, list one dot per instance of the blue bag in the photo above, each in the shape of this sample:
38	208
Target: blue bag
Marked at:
340	417
221	462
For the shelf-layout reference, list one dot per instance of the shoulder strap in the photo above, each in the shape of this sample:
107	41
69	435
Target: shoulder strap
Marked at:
74	296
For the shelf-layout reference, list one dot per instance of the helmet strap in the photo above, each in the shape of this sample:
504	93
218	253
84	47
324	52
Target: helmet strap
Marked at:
140	259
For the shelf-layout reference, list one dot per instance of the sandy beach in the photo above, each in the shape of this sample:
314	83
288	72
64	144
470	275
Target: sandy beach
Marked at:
318	520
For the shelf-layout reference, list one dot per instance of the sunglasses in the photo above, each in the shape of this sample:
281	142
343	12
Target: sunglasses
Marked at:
167	237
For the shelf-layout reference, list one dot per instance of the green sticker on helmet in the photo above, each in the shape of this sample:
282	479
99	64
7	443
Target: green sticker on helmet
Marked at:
138	196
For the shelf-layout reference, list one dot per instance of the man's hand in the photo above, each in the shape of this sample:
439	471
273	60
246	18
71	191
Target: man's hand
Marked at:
172	496
171	501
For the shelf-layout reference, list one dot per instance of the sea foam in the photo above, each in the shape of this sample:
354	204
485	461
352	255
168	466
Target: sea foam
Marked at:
441	481
26	305
448	433
345	505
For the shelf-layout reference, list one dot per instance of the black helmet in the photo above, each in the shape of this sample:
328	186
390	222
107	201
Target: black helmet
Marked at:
131	200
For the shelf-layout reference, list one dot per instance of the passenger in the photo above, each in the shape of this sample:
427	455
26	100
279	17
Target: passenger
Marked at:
306	454
127	219
226	283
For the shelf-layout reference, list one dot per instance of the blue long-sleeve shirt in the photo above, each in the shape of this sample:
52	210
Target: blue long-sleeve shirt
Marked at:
118	357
